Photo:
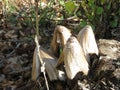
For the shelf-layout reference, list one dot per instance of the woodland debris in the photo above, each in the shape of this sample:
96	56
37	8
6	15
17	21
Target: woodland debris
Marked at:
60	37
39	59
50	64
87	41
1	64
109	58
76	54
109	48
35	66
73	58
2	77
106	74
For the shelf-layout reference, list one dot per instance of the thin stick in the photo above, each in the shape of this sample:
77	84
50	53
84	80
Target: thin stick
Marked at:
37	44
4	2
37	20
41	61
46	81
13	50
39	82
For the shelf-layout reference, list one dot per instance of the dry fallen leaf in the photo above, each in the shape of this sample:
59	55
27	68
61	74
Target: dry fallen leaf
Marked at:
74	58
87	41
60	36
35	66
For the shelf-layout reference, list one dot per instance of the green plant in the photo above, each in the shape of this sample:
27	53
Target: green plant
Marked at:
100	14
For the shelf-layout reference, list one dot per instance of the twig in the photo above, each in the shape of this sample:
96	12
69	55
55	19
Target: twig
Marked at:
13	50
39	82
4	14
41	61
46	81
37	44
37	20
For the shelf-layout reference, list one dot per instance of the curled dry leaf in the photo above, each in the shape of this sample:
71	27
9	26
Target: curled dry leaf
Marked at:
50	65
87	41
60	37
74	59
35	66
75	55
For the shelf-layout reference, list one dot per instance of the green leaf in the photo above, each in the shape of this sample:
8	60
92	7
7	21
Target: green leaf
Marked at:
62	2
109	5
102	1
70	6
91	3
90	17
113	23
99	10
83	23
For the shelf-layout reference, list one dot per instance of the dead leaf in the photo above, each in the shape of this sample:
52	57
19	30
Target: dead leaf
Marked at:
74	58
60	36
87	41
11	34
35	66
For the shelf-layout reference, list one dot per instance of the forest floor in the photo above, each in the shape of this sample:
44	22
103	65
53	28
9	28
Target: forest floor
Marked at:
16	53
